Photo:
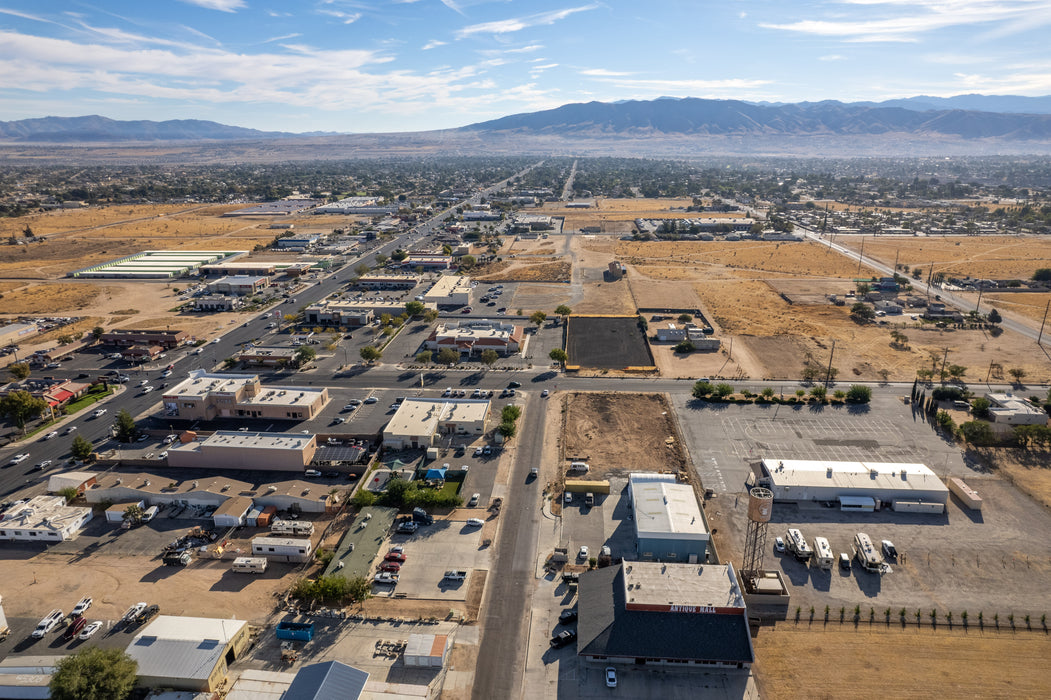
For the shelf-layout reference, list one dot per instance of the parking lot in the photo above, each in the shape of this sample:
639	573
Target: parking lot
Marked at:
724	438
429	553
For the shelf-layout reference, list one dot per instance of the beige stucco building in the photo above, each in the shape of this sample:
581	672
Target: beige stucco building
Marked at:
225	449
422	422
205	396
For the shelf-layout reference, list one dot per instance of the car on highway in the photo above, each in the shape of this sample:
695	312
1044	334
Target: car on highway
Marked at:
99	413
18	459
147	389
514	385
71	429
40	467
215	341
53	434
170	439
198	351
89	630
465	310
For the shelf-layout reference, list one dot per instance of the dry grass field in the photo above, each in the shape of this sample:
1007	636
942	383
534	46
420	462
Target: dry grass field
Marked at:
995	257
807	662
618	215
1029	305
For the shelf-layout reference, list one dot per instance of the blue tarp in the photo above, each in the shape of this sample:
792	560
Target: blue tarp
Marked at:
436	473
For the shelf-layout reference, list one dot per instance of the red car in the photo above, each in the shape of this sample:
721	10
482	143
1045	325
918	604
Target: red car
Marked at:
394	556
392	566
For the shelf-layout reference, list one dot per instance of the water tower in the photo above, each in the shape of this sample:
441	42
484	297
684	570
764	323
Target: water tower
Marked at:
760	509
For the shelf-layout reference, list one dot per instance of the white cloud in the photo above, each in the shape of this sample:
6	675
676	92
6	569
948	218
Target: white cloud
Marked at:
345	17
281	38
603	73
832	57
221	5
507	26
433	44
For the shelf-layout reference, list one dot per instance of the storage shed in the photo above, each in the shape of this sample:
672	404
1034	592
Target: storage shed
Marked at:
282	548
232	512
115	513
427	650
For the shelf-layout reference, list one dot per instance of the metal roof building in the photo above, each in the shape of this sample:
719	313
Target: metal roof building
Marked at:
187	653
818	480
669	525
330	680
663	614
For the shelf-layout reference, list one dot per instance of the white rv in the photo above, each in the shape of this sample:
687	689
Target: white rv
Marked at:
249	565
797	545
823	557
867	555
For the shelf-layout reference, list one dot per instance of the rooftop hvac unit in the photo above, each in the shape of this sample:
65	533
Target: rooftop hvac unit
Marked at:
271	488
828	472
147	482
195	484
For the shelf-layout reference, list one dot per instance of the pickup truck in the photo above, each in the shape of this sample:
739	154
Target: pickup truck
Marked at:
455	575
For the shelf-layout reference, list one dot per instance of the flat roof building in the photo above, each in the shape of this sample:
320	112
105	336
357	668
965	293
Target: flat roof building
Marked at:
267	356
473	337
355	313
206	396
669	525
387	281
236	450
188	653
421	422
239	285
156	264
127	337
663	614
449	290
815	480
43	519
427	262
1011	410
16	332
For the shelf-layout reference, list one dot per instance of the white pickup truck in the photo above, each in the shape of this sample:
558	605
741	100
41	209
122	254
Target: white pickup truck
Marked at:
455	575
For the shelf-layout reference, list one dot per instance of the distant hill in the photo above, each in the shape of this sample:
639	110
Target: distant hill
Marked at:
692	116
101	129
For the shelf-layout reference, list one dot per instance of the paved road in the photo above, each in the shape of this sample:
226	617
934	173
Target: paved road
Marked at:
965	305
502	656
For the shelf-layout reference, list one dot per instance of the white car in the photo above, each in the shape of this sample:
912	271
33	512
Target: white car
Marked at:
170	439
99	413
134	611
71	429
51	435
18	459
48	623
215	341
90	630
198	351
583	553
475	522
147	389
82	606
611	677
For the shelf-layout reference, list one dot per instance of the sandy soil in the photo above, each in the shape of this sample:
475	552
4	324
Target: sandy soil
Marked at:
814	661
1029	470
618	215
1030	305
647	437
999	257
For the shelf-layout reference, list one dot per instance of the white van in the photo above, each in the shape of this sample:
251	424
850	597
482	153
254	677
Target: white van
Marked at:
311	473
579	466
150	514
249	565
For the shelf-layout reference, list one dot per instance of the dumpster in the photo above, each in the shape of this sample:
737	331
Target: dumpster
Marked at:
299	631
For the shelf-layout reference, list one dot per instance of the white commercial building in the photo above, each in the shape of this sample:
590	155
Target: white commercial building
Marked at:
669	525
902	486
449	290
228	449
1012	410
422	422
43	519
474	337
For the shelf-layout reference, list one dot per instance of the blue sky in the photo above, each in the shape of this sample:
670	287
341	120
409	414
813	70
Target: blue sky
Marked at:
406	65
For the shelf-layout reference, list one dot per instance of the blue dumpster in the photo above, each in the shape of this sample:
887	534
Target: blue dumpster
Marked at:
299	631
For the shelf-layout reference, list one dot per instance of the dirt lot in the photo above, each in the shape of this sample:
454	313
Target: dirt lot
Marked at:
606	343
997	257
644	426
814	661
1029	470
618	215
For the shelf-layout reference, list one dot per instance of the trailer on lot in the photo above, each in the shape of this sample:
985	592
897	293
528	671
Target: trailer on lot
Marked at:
823	556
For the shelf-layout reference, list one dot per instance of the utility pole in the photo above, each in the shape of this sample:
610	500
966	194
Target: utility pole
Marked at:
930	276
1041	324
942	373
828	374
896	254
978	305
861	255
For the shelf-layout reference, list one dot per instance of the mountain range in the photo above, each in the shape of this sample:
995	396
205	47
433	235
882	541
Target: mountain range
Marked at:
93	129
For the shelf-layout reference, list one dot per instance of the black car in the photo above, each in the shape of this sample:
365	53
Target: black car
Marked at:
567	616
563	638
514	385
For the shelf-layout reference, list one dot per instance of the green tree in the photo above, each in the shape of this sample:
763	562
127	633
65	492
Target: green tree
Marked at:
859	393
363	498
1017	373
424	357
562	311
66	339
447	249
467	262
862	313
956	371
685	318
685	347
1043	274
448	356
370	354
415	308
20	370
559	355
96	333
20	406
304	355
508	430
980	407
490	356
702	389
722	389
132	513
69	493
81	448
92	673
767	392
977	432
819	391
994	316
538	318
398	255
431	315
124	426
359	588
361	269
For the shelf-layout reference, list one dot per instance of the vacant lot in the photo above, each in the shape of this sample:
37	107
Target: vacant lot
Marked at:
622	433
618	215
596	342
813	661
995	257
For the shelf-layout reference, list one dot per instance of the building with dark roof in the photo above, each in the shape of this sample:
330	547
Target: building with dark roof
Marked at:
330	680
663	614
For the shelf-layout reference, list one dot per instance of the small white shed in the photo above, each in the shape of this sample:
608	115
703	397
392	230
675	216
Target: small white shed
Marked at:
427	650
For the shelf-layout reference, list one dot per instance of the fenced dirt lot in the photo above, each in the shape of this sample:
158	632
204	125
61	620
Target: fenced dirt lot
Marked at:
606	343
622	433
808	661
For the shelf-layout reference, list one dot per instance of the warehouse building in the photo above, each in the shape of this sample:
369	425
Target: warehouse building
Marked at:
856	485
358	313
156	264
188	653
427	262
217	302
127	337
648	613
206	396
669	524
43	519
423	422
239	285
231	449
449	290
81	481
330	680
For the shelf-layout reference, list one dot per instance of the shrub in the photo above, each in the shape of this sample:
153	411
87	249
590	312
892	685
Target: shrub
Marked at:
702	389
723	389
859	393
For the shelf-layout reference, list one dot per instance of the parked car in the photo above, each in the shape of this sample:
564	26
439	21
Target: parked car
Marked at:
386	577
563	638
407	528
844	560
134	611
779	545
398	556
148	614
888	549
474	500
567	616
583	553
487	450
74	628
391	566
475	522
81	607
48	623
611	677
89	630
371	400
